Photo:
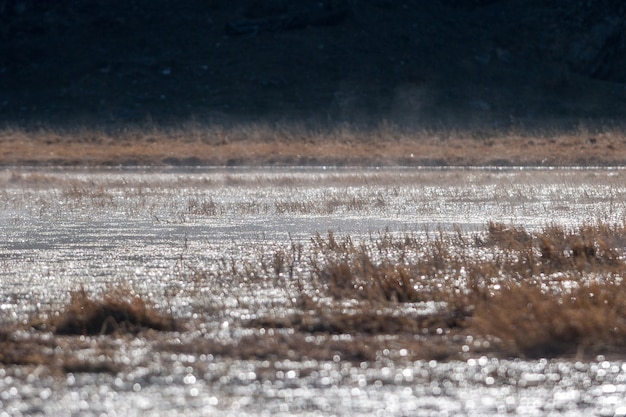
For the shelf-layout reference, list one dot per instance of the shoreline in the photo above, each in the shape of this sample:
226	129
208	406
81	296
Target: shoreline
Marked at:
297	147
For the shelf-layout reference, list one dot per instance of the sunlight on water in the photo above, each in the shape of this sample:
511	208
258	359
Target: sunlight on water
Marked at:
63	229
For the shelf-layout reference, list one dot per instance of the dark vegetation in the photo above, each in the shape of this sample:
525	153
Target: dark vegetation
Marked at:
506	292
115	311
420	63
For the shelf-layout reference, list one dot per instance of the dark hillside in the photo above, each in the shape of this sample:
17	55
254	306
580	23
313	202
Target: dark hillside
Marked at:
492	63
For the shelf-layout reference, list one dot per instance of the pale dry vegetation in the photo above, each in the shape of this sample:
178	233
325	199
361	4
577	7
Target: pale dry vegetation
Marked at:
548	293
256	144
505	292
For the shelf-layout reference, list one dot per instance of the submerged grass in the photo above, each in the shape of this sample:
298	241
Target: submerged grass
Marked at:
512	292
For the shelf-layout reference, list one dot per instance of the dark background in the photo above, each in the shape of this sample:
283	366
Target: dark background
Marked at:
419	63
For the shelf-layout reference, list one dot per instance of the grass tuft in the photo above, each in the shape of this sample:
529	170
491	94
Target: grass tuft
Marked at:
114	312
534	323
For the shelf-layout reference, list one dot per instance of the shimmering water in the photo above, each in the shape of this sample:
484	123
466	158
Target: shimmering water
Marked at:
62	229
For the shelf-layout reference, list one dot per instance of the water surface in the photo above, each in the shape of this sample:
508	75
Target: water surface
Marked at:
62	229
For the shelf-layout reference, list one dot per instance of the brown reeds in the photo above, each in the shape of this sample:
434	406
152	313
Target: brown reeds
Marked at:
115	311
18	351
513	292
532	322
546	293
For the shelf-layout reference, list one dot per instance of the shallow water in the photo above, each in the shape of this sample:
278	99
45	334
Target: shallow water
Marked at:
63	229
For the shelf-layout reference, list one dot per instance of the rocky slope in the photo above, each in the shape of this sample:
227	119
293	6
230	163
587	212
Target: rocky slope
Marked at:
419	63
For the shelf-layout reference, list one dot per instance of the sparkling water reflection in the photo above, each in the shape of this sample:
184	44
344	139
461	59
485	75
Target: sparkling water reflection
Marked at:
62	229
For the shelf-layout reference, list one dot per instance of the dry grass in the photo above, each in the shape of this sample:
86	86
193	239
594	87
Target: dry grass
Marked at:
532	322
297	145
57	339
115	311
514	293
549	293
354	274
16	351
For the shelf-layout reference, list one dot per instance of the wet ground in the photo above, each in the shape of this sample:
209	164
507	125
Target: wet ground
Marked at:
65	228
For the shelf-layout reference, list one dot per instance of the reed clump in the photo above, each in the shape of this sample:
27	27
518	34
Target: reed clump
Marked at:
532	322
551	292
115	311
591	248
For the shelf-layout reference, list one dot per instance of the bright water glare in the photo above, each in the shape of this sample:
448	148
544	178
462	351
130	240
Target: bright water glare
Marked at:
62	229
